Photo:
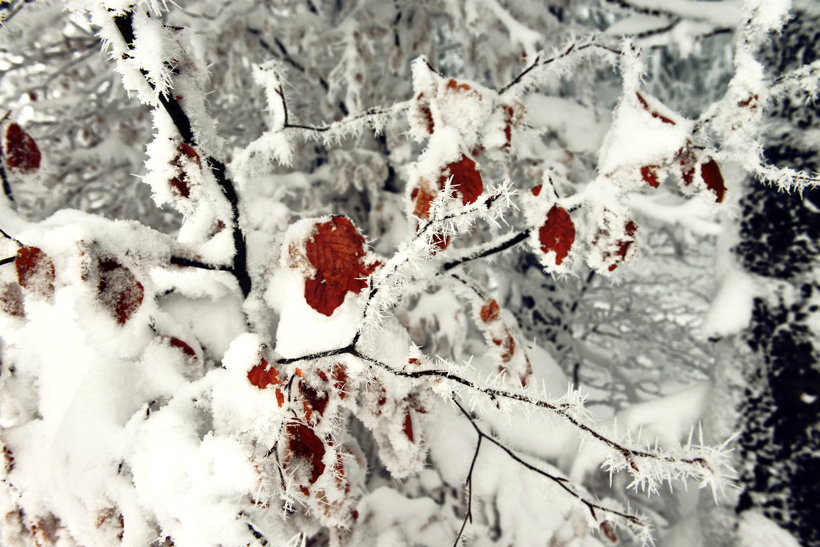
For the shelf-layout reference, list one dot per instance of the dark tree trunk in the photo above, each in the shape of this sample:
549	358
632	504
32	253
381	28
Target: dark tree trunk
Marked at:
779	443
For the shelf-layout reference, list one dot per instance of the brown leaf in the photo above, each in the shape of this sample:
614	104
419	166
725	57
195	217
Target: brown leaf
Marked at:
261	376
305	445
557	234
11	300
608	531
35	271
710	171
649	173
490	311
654	113
21	151
466	179
408	427
337	251
118	289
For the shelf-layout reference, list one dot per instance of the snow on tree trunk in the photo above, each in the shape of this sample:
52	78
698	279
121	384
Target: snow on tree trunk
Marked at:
768	380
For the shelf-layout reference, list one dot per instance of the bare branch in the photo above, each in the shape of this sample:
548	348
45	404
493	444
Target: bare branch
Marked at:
562	482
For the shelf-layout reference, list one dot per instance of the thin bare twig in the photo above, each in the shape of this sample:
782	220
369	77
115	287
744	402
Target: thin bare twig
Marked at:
560	481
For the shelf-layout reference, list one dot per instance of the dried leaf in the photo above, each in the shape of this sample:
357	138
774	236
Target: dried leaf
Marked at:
490	311
305	445
11	300
710	171
21	151
654	113
186	349
649	173
337	251
35	271
466	179
118	289
557	234
261	376
408	427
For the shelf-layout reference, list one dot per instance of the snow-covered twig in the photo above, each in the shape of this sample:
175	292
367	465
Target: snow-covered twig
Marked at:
562	482
182	122
539	62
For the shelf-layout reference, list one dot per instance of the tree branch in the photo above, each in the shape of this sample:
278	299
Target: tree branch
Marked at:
560	481
491	250
181	261
7	236
183	124
538	62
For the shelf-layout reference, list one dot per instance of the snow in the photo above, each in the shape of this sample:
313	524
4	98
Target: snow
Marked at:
576	124
136	427
731	308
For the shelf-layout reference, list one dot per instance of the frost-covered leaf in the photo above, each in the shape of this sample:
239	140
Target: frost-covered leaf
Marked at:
180	182
557	234
21	151
262	375
304	445
118	289
710	171
11	300
466	179
337	251
35	271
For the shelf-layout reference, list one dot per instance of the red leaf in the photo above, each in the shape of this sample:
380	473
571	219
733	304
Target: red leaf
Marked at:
118	289
339	373
452	84
304	444
710	171
423	113
536	190
557	234
655	114
261	376
507	346
490	311
280	397
649	174
466	179
608	531
318	400
11	300
509	116
423	195
35	271
624	245
408	426
21	150
180	181
186	349
441	241
337	253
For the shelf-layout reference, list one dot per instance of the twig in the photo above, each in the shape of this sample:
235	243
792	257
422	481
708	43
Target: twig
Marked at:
239	269
538	62
320	355
6	183
560	481
468	516
186	262
8	260
14	239
490	250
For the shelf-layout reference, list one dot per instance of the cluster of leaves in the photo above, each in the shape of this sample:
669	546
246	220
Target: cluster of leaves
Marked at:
324	319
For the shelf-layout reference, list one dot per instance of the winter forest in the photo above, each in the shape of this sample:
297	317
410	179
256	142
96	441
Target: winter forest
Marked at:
388	273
